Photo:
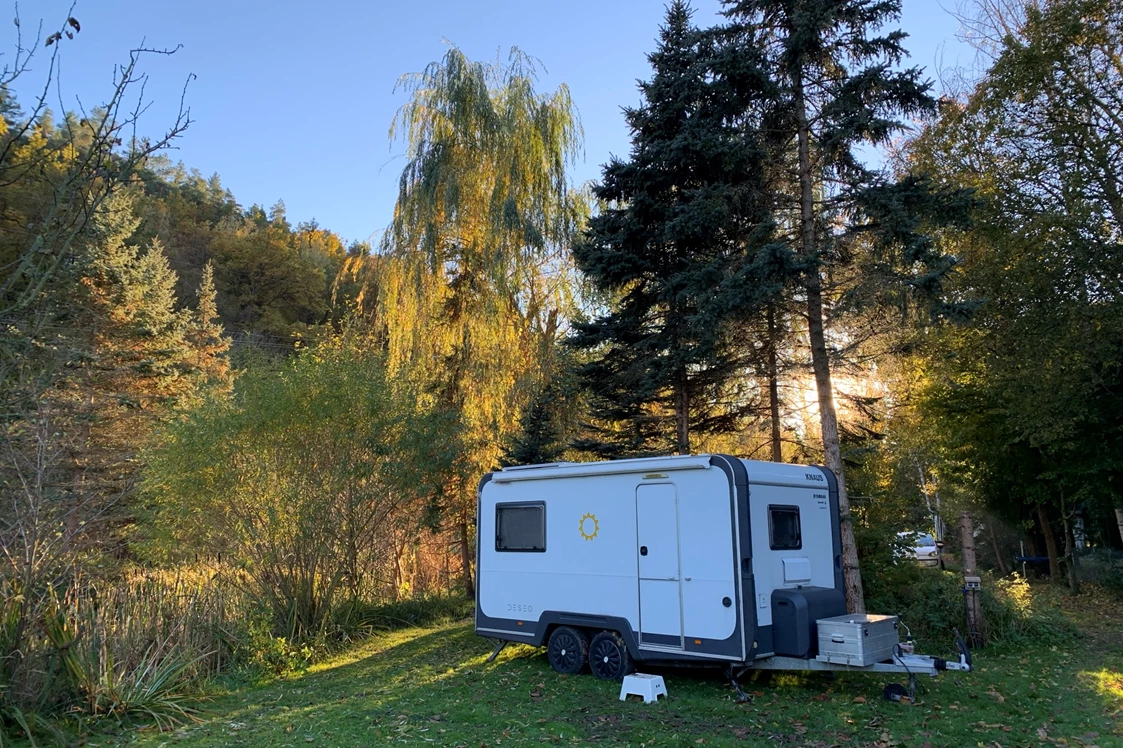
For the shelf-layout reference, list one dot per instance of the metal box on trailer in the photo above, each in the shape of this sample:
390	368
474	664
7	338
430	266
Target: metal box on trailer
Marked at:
857	639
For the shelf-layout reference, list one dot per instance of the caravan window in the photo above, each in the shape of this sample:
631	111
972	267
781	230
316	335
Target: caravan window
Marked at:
520	527
783	528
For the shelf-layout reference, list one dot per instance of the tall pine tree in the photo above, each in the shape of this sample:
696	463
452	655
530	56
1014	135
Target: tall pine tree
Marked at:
833	87
677	218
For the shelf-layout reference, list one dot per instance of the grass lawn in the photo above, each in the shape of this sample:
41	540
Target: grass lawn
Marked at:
432	686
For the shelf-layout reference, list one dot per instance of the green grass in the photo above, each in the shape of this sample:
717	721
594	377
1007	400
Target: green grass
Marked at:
432	686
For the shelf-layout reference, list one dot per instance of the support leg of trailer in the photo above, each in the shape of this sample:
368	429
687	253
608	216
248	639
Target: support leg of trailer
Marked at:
734	680
499	645
912	688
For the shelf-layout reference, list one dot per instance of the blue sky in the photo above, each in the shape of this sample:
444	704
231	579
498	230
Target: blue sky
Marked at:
293	100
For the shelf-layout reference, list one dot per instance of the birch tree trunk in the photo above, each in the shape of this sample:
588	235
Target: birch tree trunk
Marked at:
820	361
1119	521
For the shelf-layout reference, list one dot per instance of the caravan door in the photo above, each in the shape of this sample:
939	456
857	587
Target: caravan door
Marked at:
660	591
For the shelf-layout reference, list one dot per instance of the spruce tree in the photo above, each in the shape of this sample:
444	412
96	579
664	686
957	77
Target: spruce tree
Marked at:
209	346
125	362
671	235
539	440
833	87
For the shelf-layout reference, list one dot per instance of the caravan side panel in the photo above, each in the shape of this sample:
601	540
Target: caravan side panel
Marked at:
588	566
795	539
589	573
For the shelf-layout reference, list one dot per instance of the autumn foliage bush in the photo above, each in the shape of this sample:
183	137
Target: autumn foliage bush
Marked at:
930	602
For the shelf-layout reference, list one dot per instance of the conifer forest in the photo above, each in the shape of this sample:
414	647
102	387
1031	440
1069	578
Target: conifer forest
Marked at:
233	442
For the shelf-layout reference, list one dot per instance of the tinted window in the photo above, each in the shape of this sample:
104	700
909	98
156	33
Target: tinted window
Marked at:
783	528
520	527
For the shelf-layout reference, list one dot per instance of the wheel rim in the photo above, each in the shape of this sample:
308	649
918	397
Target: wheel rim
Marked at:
606	659
565	651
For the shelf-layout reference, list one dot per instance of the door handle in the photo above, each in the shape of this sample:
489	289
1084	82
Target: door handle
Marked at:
643	550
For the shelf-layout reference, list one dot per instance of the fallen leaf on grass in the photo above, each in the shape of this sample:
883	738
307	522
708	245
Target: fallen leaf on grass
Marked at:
859	699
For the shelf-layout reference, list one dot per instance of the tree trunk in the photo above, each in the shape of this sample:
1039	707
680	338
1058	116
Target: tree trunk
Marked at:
972	602
1002	567
682	415
1070	560
774	386
967	539
399	570
820	362
466	560
1119	521
1050	544
1070	551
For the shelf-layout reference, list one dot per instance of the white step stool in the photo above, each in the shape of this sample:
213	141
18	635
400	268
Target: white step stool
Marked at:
641	684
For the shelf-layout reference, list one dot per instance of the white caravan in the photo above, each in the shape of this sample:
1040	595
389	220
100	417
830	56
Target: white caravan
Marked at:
705	558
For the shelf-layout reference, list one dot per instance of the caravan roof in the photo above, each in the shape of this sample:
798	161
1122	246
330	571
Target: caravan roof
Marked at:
759	473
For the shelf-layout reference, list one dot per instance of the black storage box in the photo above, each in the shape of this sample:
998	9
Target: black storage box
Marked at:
794	612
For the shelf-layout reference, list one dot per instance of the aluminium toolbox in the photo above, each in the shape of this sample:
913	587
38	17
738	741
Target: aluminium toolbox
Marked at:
857	639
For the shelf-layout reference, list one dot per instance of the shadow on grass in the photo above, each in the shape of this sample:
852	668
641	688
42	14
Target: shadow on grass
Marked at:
434	686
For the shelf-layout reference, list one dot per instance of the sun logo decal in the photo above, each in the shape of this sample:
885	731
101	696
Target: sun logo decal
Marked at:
589	526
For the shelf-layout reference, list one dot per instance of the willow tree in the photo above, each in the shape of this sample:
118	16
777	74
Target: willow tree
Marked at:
472	283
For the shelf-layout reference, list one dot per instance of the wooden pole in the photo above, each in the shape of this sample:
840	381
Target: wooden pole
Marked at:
971	582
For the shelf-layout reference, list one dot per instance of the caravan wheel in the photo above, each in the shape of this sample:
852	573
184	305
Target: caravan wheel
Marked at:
609	658
568	650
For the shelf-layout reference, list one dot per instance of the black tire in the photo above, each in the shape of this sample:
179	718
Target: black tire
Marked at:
609	658
568	650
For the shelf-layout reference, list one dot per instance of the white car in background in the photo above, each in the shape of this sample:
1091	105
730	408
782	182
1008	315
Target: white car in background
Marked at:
920	547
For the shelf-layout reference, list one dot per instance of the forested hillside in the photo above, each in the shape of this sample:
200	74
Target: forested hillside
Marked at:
274	280
228	440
